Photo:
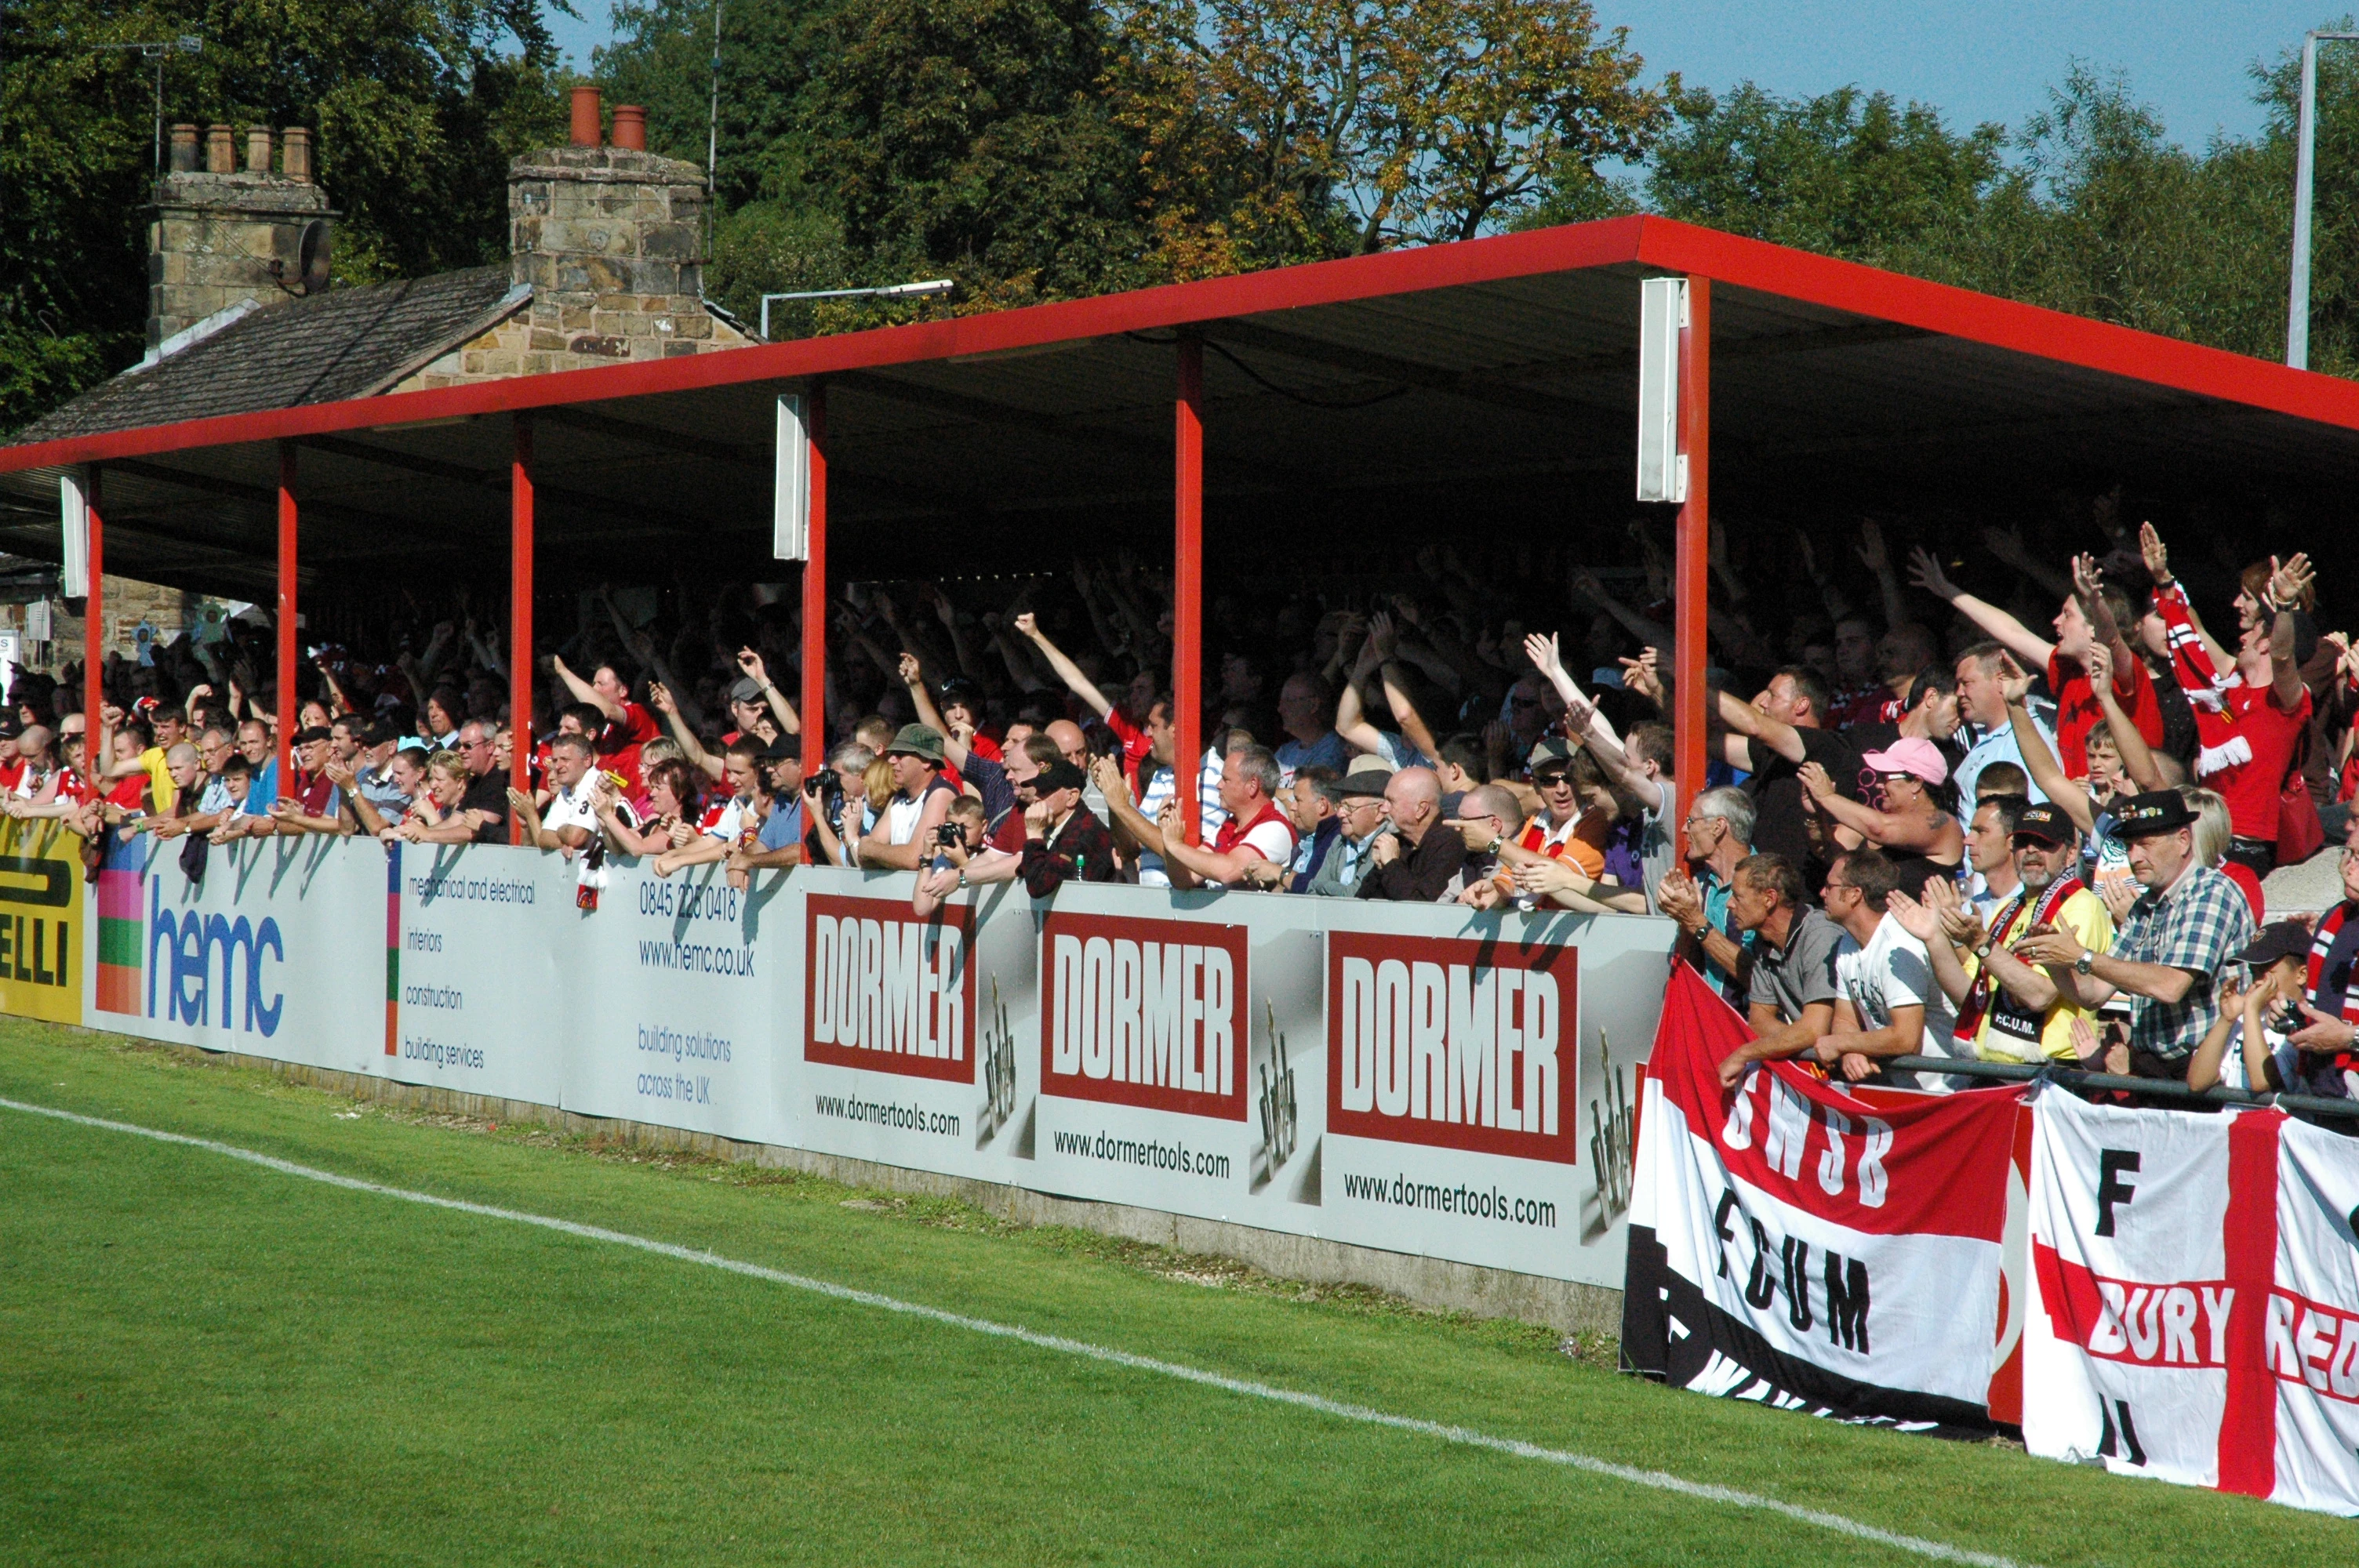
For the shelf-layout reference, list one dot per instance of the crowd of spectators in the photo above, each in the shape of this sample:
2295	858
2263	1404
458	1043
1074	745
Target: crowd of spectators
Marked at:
2025	824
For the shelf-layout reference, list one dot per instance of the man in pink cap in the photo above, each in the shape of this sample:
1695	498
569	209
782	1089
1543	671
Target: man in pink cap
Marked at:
1914	820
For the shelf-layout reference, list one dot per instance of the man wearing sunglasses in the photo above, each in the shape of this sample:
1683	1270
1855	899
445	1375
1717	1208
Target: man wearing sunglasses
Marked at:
2011	1009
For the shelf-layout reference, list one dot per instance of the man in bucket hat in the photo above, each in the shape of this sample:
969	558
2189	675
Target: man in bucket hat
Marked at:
2167	958
904	835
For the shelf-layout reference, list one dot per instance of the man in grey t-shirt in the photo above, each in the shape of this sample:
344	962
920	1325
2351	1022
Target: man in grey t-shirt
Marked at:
1794	985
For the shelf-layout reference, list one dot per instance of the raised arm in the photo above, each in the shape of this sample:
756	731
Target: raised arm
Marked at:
582	691
2156	556
1351	713
756	670
1883	827
691	750
1877	559
1029	625
2039	759
2021	641
2137	757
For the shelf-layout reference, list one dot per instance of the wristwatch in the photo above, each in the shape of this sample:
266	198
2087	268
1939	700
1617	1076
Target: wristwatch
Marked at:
1982	948
2080	965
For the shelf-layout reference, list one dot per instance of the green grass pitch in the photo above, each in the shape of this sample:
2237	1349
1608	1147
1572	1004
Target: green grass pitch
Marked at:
203	1361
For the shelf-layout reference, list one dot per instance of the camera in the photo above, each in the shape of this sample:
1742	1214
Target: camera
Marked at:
948	835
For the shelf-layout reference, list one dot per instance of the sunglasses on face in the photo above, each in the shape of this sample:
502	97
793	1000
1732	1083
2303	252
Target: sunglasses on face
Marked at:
1551	781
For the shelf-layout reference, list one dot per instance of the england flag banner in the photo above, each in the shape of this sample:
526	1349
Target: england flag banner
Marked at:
2195	1310
1797	1244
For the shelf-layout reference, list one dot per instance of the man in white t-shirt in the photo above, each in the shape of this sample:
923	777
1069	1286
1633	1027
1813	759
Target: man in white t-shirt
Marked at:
570	823
1891	1005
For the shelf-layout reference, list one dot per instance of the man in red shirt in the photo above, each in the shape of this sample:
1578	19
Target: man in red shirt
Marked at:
2096	612
628	726
1256	838
2250	746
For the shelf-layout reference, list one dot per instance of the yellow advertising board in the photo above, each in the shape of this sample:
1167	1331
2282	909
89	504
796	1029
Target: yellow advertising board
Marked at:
42	949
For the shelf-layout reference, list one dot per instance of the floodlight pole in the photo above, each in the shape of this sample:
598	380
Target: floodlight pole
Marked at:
933	286
1693	568
2304	166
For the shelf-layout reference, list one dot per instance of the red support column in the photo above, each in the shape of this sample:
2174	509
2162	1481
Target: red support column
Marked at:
1694	586
1188	587
814	697
521	661
94	640
287	665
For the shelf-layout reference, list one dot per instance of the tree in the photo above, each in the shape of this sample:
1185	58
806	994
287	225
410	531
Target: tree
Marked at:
972	137
1290	129
1846	173
417	105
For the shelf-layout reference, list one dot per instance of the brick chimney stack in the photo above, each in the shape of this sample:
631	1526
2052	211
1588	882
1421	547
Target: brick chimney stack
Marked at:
610	238
222	234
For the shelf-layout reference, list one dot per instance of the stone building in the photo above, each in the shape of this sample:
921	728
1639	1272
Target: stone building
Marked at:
605	264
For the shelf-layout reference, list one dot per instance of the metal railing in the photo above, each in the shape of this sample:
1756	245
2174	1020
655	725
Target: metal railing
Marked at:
2153	1088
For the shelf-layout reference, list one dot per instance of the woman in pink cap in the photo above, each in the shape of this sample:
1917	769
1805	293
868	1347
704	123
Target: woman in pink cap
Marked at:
1914	820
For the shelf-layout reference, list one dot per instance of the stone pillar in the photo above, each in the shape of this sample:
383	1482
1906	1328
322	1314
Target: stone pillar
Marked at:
220	235
611	240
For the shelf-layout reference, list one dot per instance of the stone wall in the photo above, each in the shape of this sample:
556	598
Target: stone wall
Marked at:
611	240
214	239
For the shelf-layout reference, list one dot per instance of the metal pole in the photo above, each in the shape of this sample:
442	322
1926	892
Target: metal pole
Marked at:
1188	586
712	143
2305	164
287	665
814	709
2305	137
1690	602
521	664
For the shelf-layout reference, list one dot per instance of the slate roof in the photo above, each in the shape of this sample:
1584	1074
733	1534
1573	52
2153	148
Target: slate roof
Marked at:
347	342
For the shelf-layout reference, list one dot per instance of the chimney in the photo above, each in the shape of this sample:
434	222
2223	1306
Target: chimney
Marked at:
584	131
611	239
220	235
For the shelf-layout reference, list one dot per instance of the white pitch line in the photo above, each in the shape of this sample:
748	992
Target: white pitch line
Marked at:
1656	1480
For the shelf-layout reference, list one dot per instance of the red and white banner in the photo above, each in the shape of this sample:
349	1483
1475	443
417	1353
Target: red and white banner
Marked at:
2195	1314
1798	1244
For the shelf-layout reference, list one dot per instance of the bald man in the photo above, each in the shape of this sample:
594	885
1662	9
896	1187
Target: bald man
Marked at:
1425	854
1071	743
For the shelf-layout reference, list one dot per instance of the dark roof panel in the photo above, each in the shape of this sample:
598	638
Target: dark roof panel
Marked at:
340	345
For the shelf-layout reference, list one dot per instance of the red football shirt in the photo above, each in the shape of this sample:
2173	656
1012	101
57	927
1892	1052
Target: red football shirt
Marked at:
2077	711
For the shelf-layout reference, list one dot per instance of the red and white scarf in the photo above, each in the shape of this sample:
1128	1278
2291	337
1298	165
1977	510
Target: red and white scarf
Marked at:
1986	995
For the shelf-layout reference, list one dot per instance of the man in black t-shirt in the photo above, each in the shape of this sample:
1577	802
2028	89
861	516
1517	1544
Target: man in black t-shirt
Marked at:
1770	738
486	799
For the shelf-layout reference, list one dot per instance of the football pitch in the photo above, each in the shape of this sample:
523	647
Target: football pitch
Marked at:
574	1353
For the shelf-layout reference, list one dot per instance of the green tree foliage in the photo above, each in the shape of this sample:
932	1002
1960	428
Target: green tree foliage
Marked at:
2088	207
417	106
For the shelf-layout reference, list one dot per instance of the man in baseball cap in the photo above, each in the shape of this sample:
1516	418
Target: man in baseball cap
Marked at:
2011	1009
2168	956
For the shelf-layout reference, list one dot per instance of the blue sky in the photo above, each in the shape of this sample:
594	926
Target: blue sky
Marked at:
1975	60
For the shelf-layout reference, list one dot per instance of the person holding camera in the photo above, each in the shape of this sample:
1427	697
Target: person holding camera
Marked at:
960	858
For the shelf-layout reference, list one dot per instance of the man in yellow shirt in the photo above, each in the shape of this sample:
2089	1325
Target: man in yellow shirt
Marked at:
2008	1010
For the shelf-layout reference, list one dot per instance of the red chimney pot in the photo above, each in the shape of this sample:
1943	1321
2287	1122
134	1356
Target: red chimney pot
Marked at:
631	127
585	117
